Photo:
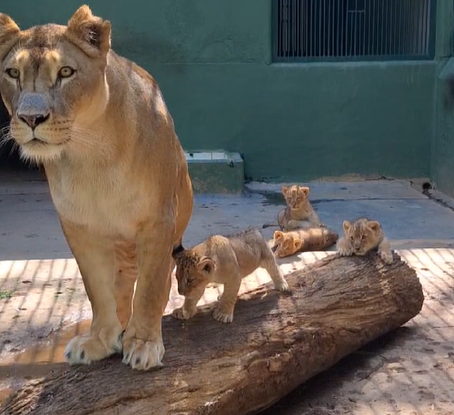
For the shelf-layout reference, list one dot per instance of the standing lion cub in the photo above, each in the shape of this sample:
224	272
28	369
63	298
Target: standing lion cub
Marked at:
117	174
362	236
225	260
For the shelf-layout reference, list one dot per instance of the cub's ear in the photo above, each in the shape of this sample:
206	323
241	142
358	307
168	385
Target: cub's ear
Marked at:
278	235
297	244
346	225
284	190
305	190
9	34
374	226
206	265
90	33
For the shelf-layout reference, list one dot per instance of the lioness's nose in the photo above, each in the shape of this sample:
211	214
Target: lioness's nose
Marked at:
33	120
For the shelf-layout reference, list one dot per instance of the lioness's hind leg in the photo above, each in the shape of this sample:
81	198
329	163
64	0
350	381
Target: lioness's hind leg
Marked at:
95	257
269	263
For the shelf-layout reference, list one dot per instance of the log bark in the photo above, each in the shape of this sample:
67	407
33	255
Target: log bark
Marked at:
275	343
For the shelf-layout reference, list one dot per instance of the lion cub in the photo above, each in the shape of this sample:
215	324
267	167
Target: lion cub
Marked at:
362	236
302	240
225	260
299	210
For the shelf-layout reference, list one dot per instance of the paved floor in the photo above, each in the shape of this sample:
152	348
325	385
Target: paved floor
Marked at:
410	371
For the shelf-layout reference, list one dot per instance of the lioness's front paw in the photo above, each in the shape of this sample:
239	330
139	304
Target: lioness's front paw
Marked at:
387	257
143	355
283	286
222	317
82	350
182	314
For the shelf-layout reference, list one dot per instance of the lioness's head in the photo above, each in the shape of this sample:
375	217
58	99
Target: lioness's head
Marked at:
52	81
286	244
295	196
193	272
362	234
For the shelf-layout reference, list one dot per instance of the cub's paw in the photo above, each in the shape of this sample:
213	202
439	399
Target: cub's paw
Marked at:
222	317
82	350
387	257
321	225
143	355
344	251
182	314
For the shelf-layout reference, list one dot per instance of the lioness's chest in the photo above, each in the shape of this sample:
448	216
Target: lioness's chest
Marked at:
106	204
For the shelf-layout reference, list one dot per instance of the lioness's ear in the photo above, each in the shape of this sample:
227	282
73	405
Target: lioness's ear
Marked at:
305	190
206	265
9	34
278	235
346	225
90	33
284	189
373	225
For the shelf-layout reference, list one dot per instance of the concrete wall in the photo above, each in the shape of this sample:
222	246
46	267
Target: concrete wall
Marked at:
289	121
442	163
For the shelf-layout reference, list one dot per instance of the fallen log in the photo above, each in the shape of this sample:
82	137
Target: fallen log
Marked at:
275	343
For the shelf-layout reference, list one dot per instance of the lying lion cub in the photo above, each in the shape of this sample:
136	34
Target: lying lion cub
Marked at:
302	240
362	236
299	211
225	260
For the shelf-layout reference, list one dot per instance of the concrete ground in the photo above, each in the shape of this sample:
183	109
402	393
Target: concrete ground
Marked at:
410	371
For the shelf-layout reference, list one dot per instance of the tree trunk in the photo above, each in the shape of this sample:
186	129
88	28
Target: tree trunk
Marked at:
275	343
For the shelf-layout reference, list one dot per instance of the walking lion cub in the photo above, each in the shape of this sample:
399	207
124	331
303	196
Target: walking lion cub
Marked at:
224	260
362	236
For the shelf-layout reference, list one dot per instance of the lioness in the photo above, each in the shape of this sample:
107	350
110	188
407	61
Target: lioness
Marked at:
224	260
116	171
362	236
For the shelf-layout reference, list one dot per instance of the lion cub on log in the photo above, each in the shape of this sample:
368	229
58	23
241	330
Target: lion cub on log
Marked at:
299	210
362	236
302	240
225	260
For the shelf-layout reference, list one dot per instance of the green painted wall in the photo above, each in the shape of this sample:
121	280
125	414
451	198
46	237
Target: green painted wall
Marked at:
442	161
289	121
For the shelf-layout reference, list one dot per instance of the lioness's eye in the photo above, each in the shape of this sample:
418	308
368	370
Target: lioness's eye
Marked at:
13	73
66	72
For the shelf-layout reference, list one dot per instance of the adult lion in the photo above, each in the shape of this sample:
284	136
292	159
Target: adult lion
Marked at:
116	171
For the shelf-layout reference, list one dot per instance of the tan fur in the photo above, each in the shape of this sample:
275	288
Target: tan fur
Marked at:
299	212
223	260
116	171
363	236
302	240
